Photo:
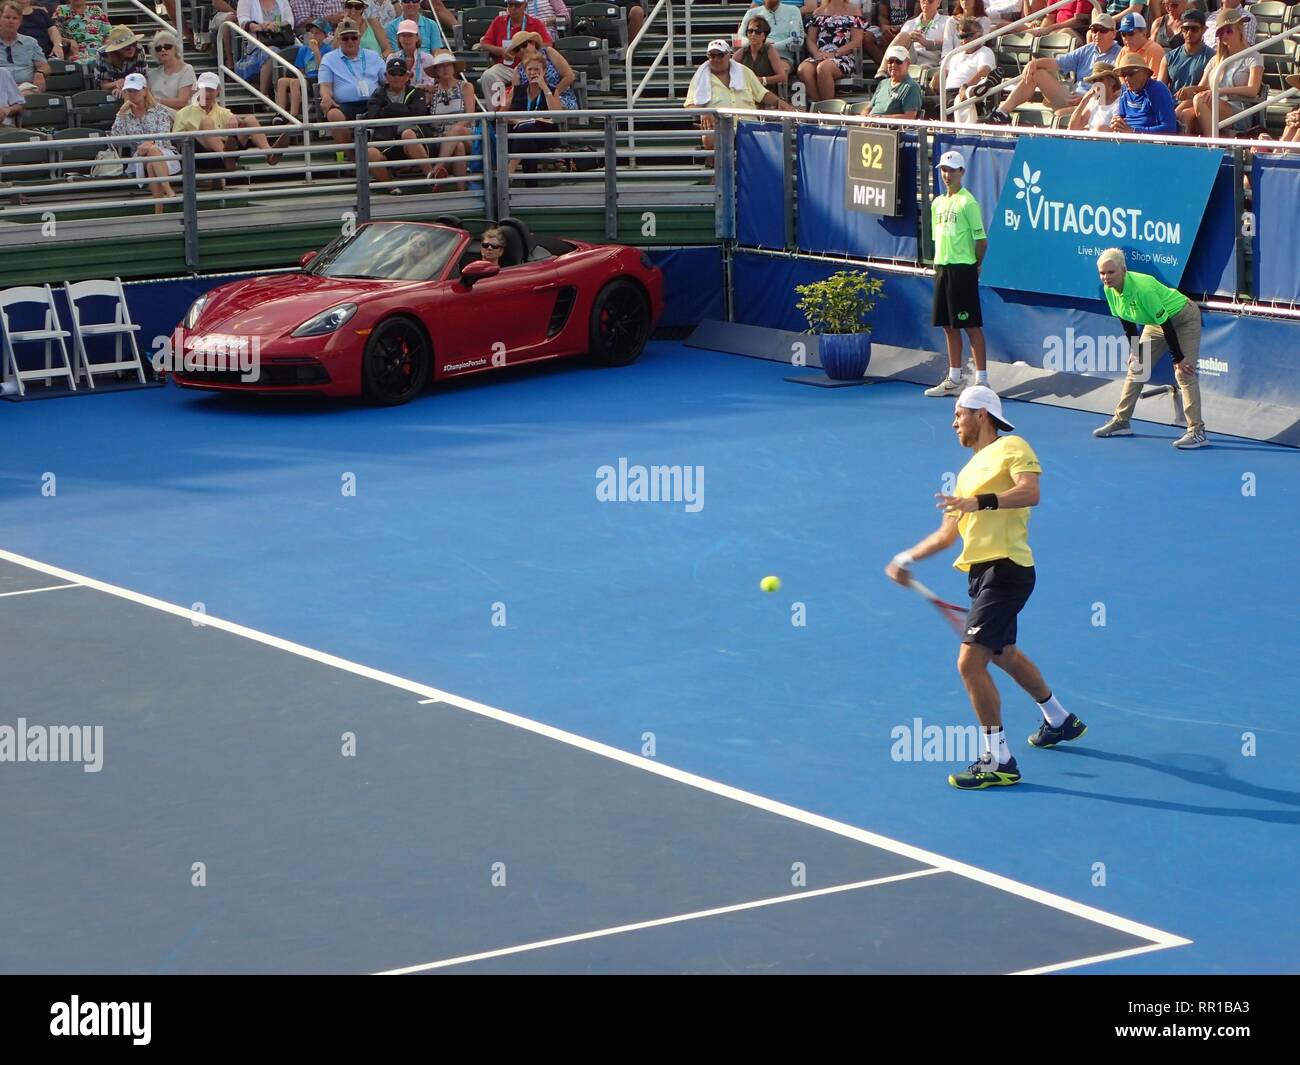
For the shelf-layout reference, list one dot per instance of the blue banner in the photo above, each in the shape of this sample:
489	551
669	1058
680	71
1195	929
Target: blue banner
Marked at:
1276	184
823	225
1213	264
1067	200
988	164
760	185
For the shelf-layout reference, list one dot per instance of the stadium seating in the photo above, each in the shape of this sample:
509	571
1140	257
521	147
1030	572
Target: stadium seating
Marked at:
64	148
44	110
95	109
590	54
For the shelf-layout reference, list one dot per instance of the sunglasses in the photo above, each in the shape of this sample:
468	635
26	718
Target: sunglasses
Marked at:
164	48
488	246
893	62
349	36
753	30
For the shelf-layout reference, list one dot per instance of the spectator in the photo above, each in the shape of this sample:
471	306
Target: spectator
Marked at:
19	54
38	24
891	15
785	30
431	36
398	98
492	245
1117	9
417	59
1184	64
549	12
1057	78
288	93
559	75
1167	30
120	56
1239	79
264	19
172	81
1073	18
760	56
224	11
722	82
1096	110
930	36
210	116
533	95
834	34
1004	12
1170	322
967	70
964	9
499	80
142	114
635	15
1213	22
417	262
348	75
375	15
452	95
84	27
1145	106
1135	41
11	100
897	96
1291	126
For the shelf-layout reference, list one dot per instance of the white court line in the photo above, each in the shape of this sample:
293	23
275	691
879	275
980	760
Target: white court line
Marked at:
1095	959
1157	937
426	702
658	922
33	591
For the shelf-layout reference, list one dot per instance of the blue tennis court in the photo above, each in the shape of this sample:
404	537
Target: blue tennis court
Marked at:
418	700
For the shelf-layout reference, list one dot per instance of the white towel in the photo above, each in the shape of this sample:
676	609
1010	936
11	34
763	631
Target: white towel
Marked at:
702	87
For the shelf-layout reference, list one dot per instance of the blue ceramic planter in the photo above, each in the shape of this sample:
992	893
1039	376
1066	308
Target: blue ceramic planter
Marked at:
845	356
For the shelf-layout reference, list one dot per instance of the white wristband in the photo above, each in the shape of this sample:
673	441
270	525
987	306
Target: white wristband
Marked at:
903	560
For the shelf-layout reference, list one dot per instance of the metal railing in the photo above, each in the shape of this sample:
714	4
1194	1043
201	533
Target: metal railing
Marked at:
1013	27
153	16
1255	49
233	29
635	92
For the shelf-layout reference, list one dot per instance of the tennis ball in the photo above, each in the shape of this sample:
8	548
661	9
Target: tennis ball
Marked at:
770	584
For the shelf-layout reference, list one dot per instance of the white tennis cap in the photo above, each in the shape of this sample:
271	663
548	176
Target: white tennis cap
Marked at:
953	160
720	45
209	80
981	397
134	81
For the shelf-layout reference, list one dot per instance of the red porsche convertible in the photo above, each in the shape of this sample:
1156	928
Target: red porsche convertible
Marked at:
379	312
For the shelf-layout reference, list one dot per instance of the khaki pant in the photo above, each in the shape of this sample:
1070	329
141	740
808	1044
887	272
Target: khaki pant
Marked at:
497	84
1150	347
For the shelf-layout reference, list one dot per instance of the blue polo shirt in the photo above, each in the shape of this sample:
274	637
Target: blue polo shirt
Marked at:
21	58
431	37
1148	111
1078	64
352	80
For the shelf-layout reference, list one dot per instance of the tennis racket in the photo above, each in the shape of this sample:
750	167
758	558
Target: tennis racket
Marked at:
952	613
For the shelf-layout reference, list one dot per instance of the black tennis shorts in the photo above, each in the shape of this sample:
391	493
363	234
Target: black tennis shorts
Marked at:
957	296
998	591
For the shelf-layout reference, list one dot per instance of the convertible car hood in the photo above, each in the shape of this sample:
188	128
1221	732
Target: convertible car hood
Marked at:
279	303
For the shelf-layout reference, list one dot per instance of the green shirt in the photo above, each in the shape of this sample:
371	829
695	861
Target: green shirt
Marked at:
1144	300
891	99
957	225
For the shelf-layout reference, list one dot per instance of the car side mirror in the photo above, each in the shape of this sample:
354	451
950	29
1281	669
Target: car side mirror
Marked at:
307	258
477	271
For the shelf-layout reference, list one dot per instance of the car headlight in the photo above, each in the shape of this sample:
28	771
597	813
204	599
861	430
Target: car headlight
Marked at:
196	308
326	321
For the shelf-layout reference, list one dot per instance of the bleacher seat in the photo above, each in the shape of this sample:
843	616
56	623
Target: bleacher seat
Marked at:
95	109
1058	43
44	110
1032	115
64	78
64	148
36	158
1019	46
590	54
1270	17
607	21
474	22
837	106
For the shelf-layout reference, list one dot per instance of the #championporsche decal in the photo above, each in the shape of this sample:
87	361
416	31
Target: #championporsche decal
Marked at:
468	364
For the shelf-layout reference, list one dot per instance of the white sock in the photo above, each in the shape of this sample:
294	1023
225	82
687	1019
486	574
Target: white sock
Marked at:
954	374
1054	711
981	377
995	746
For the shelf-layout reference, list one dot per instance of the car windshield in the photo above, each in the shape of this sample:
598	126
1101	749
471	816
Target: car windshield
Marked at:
392	251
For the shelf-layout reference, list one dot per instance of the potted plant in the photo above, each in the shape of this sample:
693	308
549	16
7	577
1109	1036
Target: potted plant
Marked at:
836	310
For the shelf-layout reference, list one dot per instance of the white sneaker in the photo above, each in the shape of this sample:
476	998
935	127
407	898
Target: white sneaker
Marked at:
1114	427
1193	438
946	387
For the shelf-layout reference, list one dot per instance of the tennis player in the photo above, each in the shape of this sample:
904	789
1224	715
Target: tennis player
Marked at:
990	512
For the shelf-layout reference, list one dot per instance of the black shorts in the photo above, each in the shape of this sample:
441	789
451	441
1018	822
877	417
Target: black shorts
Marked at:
957	296
998	591
352	111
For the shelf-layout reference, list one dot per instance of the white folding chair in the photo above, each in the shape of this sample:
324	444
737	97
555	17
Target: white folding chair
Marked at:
120	328
50	335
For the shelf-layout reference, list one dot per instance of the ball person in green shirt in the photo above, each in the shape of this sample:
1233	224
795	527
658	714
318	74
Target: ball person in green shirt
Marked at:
959	246
1171	322
989	510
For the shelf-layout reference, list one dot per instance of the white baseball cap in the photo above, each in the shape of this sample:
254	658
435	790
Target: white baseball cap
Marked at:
209	80
981	397
897	51
953	160
134	81
720	45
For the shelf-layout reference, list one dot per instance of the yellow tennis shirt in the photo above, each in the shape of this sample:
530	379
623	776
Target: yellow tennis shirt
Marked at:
990	534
